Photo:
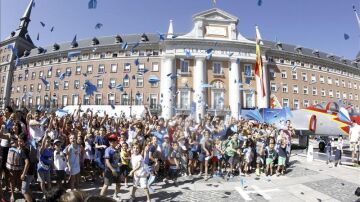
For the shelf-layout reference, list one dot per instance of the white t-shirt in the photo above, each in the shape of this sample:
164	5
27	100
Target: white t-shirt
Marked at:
36	131
135	159
354	133
59	160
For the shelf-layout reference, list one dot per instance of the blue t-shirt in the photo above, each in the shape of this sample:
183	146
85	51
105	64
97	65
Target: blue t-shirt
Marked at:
100	140
114	157
152	149
45	161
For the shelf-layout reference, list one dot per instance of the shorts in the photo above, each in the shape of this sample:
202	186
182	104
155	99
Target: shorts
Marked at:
214	159
25	185
173	173
44	177
354	147
281	161
60	175
109	178
259	160
269	161
140	182
193	155
201	157
229	159
124	170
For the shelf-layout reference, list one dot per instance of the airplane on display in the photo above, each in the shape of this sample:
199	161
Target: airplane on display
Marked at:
325	120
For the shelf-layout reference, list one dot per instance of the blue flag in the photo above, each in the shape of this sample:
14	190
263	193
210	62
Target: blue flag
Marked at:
92	4
124	46
62	76
98	26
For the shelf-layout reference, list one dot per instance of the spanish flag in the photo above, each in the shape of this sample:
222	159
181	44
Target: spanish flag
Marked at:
259	64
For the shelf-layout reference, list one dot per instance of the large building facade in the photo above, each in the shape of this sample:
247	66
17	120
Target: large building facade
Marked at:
208	70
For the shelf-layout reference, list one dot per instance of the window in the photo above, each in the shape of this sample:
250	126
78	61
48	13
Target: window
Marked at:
141	67
58	72
355	86
323	93
24	88
98	99
306	90
217	69
99	83
350	96
113	68
49	73
38	100
47	87
283	74
113	83
337	82
295	89
304	76
139	97
218	100
141	52
18	89
272	73
127	67
126	82
41	74
184	66
184	99
68	71
296	104
322	80
76	84
39	87
331	93
56	85
139	82
26	75
344	96
89	69
284	88
314	91
125	99
86	100
315	102
111	99
349	85
356	97
343	83
66	85
33	75
31	87
75	99
154	85
20	77
101	69
248	70
329	80
64	100
153	101
338	94
313	78
294	75
78	70
285	102
273	87
155	67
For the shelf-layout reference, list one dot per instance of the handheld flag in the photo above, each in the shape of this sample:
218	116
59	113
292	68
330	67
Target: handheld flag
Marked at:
133	48
52	29
137	63
293	68
259	3
161	36
124	46
42	24
44	81
74	41
38	36
346	36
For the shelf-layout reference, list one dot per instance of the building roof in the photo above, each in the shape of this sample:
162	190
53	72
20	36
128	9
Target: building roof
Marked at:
103	42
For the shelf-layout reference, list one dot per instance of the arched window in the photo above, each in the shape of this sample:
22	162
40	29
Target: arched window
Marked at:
217	95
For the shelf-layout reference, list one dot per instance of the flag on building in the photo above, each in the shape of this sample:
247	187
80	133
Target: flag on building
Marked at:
259	64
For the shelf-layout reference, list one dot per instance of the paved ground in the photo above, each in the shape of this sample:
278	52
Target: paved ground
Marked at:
304	181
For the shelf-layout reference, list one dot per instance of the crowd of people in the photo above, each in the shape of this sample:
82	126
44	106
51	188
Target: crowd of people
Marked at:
41	147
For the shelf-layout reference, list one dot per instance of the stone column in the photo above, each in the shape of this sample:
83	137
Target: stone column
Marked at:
166	92
199	77
234	88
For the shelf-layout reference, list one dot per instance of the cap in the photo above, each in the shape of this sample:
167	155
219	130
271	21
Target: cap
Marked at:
112	137
57	140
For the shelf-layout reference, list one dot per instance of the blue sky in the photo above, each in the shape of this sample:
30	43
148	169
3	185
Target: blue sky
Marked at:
317	24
